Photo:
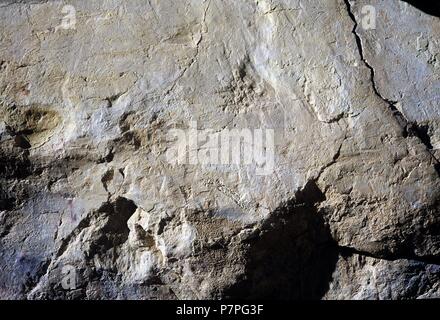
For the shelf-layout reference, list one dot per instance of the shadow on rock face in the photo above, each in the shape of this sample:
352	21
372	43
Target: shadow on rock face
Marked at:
293	257
428	6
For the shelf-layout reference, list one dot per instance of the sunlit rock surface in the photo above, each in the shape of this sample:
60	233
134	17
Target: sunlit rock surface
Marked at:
343	205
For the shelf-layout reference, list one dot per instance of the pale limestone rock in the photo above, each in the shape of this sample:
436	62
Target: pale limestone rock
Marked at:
85	122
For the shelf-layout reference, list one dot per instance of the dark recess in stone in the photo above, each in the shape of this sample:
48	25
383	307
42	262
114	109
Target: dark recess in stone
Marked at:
431	7
6	203
15	166
293	257
422	132
437	168
21	142
115	230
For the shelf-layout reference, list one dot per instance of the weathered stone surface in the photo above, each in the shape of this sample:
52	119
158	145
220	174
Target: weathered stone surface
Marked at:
360	277
349	208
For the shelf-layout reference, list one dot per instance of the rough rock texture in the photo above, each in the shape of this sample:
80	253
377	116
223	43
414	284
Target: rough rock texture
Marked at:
350	211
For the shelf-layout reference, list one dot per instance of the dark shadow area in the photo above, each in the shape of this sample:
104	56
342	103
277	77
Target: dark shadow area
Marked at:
437	168
431	7
6	203
115	230
292	257
15	166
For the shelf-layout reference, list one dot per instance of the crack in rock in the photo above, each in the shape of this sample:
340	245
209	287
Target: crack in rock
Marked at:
409	128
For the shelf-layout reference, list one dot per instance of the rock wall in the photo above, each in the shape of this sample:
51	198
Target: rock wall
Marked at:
206	149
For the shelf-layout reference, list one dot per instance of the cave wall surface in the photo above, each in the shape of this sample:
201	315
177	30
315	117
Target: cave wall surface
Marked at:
336	191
